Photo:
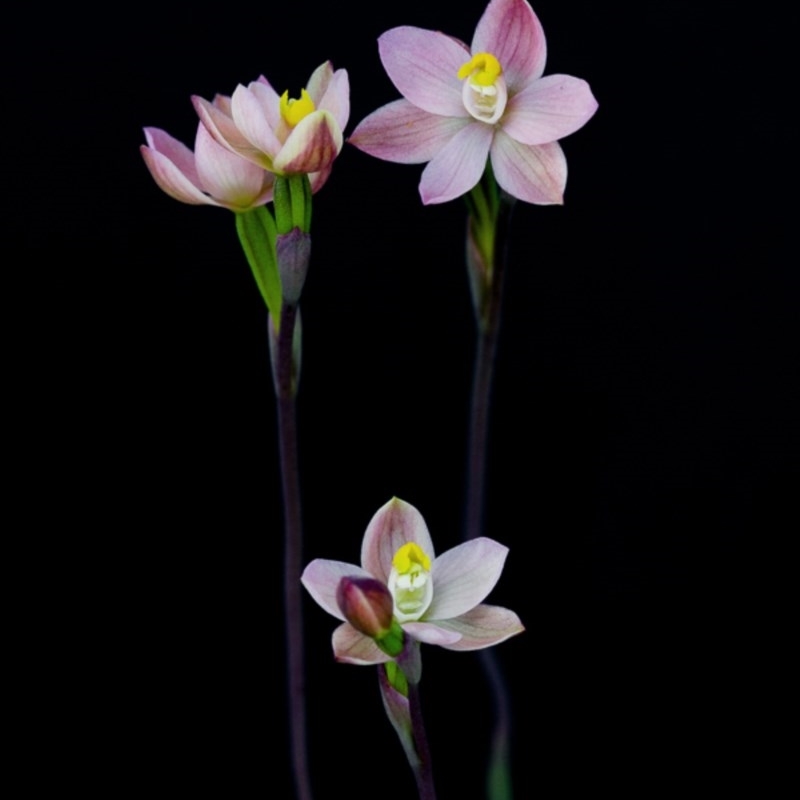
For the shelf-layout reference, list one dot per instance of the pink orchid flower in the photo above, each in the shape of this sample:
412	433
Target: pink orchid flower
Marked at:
283	135
436	600
463	105
212	175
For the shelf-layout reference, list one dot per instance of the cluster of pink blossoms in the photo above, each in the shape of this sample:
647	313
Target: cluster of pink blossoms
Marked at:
461	107
245	140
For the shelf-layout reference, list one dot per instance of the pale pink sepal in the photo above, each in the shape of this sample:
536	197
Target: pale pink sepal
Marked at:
458	166
353	647
321	578
431	633
335	95
481	627
393	525
464	576
249	107
533	173
424	66
235	181
170	169
312	146
220	125
549	109
512	33
405	134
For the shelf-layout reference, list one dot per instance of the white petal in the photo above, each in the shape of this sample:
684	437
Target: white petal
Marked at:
321	577
463	576
353	647
484	626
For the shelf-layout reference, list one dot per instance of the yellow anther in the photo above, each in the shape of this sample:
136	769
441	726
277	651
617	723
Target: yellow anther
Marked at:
408	555
482	69
293	110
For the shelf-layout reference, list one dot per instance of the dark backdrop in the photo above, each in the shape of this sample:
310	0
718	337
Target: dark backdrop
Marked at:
644	451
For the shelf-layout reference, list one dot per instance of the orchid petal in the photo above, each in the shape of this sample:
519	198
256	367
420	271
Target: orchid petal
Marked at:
270	102
484	626
321	578
405	134
319	82
224	175
463	576
353	647
533	173
176	152
392	526
312	146
248	107
549	109
458	166
172	180
512	33
424	66
336	98
431	633
220	125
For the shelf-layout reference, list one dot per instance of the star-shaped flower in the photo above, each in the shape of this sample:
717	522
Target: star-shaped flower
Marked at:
463	104
436	600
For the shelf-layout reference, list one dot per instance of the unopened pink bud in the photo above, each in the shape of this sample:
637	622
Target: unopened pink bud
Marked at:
367	605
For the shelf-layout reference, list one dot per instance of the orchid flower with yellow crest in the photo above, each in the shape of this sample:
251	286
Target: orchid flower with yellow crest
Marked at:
283	134
463	105
435	600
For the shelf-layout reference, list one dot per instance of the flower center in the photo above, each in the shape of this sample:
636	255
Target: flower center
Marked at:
484	93
410	582
293	110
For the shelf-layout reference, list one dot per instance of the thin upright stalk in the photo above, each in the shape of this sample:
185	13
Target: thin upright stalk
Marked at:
499	780
293	534
423	772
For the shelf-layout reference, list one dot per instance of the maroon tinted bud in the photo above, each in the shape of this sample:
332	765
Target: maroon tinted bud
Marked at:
366	604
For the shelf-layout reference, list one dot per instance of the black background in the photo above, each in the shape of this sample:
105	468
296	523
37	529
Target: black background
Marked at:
644	454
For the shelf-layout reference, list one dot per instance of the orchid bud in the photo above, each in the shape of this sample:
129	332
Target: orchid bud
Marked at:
367	605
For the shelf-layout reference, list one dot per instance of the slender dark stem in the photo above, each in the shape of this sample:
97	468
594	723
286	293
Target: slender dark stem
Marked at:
483	372
423	772
499	782
293	530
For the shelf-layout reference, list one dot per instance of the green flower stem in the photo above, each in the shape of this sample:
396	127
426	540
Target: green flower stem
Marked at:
488	326
285	389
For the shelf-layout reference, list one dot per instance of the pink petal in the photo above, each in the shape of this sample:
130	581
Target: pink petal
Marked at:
319	81
463	576
533	173
353	647
270	102
337	98
403	133
321	578
512	33
431	633
458	166
172	180
224	175
177	152
312	146
424	66
549	109
219	124
482	627
318	179
252	119
393	525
